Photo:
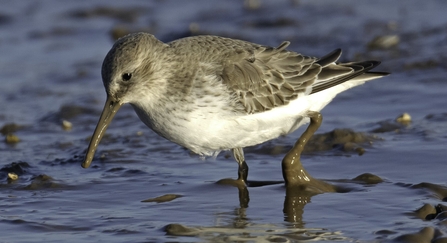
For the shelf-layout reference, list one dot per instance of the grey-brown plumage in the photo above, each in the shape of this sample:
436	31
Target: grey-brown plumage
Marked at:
210	93
272	76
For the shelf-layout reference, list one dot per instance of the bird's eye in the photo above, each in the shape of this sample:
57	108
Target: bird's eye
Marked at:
126	76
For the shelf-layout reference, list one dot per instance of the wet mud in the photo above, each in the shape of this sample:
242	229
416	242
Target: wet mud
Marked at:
371	173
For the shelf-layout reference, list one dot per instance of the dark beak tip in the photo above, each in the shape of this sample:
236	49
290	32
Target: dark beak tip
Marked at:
85	165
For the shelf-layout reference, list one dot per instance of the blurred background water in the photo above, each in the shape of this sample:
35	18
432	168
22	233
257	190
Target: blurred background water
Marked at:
51	96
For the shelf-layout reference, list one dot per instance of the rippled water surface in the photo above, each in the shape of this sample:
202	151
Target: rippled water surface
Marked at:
51	55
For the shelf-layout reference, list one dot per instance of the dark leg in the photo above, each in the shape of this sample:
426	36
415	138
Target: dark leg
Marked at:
242	173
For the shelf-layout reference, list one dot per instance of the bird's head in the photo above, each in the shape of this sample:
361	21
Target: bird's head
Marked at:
130	72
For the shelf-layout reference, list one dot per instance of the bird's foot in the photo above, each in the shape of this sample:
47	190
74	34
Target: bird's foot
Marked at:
242	175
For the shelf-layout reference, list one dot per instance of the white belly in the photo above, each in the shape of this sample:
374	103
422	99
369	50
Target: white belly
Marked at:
207	132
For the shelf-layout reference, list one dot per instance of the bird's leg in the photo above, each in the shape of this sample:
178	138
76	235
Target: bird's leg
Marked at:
292	169
242	173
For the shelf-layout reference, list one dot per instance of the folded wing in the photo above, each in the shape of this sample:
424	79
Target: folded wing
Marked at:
264	77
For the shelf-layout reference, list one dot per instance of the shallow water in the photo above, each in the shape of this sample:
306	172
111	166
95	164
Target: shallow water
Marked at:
50	70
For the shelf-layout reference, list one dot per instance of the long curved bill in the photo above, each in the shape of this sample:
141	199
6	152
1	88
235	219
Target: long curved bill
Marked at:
109	111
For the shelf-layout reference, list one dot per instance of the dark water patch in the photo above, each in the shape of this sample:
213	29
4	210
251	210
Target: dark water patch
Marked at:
121	231
424	33
123	172
28	178
81	73
120	30
402	122
116	169
115	154
19	168
431	128
442	217
385	233
272	23
52	33
424	64
5	19
125	148
16	175
64	145
43	226
133	172
69	112
122	14
113	217
441	117
74	159
72	69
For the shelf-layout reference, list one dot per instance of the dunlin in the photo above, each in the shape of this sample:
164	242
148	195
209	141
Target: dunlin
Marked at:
210	93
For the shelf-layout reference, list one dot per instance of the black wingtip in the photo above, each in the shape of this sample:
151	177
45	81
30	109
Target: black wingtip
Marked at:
329	58
381	73
375	64
359	69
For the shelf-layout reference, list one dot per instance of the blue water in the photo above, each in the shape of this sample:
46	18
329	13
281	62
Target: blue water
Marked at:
51	55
